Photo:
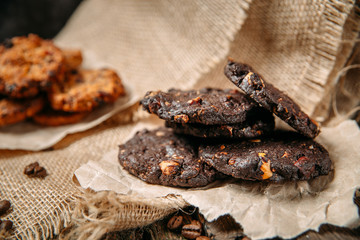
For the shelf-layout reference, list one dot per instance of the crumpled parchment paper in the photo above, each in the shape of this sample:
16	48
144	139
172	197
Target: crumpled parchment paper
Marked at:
260	213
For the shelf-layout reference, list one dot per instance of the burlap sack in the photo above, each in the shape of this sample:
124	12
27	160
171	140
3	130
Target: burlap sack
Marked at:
300	46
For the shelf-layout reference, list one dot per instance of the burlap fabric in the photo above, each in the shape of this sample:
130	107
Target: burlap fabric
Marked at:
300	46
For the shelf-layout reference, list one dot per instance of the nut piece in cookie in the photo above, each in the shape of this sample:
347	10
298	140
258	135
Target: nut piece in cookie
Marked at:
73	58
162	157
282	156
206	106
29	65
83	90
16	110
51	117
271	98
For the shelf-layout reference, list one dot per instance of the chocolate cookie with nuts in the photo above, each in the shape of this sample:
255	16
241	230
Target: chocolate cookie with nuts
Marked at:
254	127
207	106
16	110
83	90
271	98
28	65
282	156
162	157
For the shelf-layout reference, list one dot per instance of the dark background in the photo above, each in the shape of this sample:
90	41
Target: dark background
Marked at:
43	17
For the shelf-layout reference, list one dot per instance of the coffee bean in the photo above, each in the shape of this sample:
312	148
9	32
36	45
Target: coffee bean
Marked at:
191	231
39	171
29	169
35	170
175	222
4	206
6	224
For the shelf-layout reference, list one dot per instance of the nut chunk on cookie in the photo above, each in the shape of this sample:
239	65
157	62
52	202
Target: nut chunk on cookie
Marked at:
283	156
162	157
271	98
29	65
83	90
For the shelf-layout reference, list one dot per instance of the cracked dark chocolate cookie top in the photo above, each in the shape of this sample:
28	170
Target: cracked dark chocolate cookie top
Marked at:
271	98
162	157
282	156
206	106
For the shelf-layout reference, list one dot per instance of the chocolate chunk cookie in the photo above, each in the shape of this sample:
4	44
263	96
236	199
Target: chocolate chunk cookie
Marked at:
271	98
28	65
83	90
206	106
16	110
255	127
284	155
51	117
162	157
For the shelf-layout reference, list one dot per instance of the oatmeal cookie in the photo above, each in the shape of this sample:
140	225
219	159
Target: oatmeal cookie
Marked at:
83	90
16	110
29	65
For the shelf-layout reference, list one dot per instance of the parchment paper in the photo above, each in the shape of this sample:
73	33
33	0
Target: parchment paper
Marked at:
30	136
261	215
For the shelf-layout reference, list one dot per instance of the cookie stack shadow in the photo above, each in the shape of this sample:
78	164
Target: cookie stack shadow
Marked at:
211	134
38	80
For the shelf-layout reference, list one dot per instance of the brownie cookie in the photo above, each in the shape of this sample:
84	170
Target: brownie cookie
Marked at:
162	157
261	125
51	117
271	98
16	110
284	155
28	65
83	90
206	106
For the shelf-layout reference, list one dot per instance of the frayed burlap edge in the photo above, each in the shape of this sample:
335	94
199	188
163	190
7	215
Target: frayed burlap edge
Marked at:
98	213
336	47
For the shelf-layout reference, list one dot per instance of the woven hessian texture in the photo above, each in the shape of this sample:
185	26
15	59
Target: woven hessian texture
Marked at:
161	44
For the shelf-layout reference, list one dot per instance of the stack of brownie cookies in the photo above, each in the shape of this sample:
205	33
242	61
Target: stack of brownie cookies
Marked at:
38	80
214	133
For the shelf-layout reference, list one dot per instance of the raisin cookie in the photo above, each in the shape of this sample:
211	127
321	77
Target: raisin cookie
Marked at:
162	157
29	65
283	156
83	90
16	110
271	98
207	106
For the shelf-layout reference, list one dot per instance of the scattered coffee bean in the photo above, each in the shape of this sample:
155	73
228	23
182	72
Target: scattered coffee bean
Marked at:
202	238
175	222
35	170
6	224
4	206
191	231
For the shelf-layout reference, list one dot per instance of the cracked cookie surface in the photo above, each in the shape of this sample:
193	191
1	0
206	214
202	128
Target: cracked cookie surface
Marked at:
281	156
271	98
162	157
207	106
